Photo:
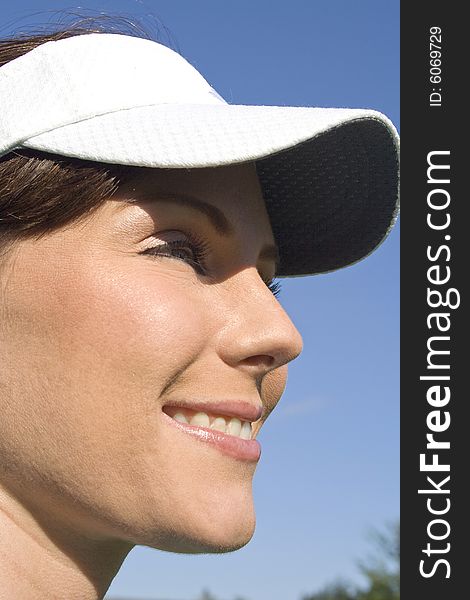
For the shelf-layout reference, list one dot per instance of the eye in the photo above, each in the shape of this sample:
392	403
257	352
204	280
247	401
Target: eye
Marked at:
191	250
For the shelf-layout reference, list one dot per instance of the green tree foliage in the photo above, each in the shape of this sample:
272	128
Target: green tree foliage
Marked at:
382	572
334	591
206	595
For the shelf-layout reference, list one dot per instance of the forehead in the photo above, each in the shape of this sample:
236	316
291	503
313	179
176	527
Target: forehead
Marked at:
234	189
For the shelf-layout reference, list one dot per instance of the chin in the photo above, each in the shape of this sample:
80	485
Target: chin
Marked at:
210	542
222	529
227	537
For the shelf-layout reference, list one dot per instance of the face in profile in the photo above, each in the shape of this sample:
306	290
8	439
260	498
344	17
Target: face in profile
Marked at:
114	333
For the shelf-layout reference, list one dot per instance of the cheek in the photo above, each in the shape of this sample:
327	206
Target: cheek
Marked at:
134	330
87	353
87	356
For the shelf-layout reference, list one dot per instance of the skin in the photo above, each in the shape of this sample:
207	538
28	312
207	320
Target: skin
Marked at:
94	339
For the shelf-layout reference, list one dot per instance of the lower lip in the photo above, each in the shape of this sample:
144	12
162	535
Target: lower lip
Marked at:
248	450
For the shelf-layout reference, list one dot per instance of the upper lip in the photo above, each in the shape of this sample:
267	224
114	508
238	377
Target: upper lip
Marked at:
241	409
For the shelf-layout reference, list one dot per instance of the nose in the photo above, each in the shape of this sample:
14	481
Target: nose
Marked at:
258	335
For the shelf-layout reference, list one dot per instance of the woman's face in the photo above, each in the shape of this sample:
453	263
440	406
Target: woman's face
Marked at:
97	336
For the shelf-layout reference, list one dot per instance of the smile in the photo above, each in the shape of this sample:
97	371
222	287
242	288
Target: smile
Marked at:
230	435
229	425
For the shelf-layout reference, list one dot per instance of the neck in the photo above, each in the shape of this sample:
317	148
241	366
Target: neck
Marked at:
42	557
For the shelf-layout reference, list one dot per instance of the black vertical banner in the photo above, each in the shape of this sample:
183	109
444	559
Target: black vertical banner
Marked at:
435	230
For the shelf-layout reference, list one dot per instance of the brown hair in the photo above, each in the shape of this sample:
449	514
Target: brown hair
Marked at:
41	192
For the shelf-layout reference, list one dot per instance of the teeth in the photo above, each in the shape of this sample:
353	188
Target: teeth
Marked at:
234	427
200	419
219	424
180	417
231	426
245	433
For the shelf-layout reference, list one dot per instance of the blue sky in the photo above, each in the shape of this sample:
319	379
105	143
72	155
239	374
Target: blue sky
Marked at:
329	470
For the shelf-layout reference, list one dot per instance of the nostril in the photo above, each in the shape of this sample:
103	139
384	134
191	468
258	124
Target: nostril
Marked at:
260	360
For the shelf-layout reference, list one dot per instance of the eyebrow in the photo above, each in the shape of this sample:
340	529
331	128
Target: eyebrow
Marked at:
215	215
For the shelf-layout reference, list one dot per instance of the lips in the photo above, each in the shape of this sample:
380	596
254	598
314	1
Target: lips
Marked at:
229	445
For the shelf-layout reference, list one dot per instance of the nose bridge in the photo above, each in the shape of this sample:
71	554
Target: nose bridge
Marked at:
257	325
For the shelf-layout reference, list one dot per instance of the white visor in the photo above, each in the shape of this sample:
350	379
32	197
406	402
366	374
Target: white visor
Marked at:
329	176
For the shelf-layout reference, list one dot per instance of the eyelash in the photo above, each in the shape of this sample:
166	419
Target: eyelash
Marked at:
200	249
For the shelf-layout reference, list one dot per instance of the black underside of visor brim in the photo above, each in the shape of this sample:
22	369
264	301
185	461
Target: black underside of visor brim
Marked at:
331	199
